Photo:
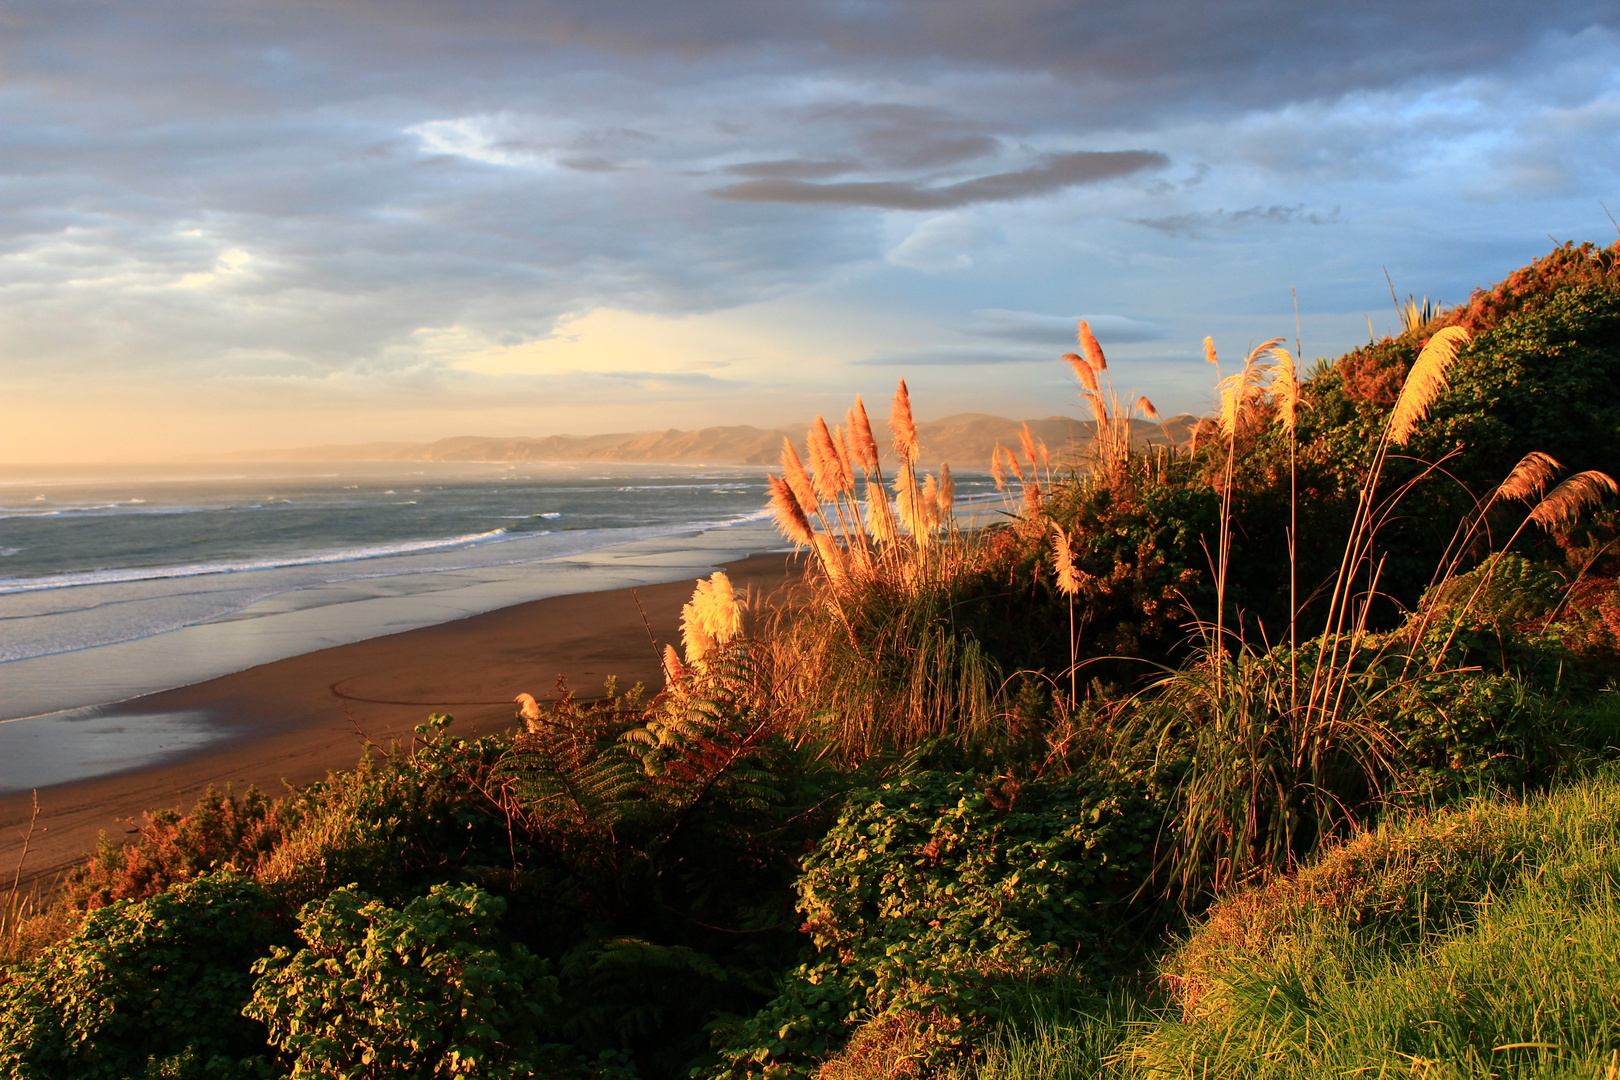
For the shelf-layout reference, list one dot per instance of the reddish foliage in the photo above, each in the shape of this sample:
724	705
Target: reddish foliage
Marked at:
1560	268
170	847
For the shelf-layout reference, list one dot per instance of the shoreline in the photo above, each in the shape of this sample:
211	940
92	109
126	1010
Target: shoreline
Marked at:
289	618
299	718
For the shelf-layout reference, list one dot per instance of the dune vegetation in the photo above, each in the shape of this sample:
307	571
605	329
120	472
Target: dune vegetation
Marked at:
1288	748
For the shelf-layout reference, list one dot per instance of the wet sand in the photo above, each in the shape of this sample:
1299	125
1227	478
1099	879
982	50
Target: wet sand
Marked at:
294	720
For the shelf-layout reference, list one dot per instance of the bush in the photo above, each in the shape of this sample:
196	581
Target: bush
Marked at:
145	988
427	990
931	892
218	833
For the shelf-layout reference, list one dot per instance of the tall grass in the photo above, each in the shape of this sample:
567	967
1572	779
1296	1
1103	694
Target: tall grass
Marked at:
1279	755
871	654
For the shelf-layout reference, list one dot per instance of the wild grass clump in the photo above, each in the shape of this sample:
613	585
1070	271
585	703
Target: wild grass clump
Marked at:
876	648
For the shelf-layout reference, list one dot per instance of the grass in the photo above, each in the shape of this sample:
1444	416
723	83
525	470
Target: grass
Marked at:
1479	943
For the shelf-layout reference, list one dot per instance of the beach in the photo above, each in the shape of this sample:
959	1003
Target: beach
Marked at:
293	720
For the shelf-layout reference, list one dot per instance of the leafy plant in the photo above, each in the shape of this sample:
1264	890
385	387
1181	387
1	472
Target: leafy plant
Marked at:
934	890
144	988
427	990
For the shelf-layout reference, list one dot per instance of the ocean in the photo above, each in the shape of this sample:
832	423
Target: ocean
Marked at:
121	581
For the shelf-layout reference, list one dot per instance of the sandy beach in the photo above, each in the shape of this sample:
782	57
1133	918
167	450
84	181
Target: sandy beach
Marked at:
296	719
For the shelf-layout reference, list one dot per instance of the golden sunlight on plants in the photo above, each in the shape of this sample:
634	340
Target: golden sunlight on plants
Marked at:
1282	741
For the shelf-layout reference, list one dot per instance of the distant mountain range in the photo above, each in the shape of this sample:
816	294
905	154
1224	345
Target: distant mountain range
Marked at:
965	440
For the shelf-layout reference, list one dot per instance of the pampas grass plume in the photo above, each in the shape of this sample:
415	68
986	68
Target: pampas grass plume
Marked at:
1529	478
1068	578
947	491
1231	389
1026	437
1566	502
789	515
1088	345
711	618
824	461
1425	382
1285	389
529	709
1145	407
1082	371
860	429
879	514
832	556
1209	352
901	424
997	473
1012	462
928	502
797	478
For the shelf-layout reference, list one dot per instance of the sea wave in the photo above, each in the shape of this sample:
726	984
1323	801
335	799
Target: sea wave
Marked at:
153	573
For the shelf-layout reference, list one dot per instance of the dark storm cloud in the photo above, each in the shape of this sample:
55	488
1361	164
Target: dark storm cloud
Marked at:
1057	172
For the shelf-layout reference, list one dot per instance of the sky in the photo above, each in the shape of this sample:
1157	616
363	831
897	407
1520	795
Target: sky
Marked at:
233	225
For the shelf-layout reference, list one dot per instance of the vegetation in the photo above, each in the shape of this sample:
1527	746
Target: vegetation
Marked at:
1288	750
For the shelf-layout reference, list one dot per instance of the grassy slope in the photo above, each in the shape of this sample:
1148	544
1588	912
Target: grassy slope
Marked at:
1479	942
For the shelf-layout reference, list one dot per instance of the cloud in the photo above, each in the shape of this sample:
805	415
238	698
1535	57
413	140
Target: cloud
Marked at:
1056	172
901	136
794	169
1053	330
1199	224
198	194
947	242
947	357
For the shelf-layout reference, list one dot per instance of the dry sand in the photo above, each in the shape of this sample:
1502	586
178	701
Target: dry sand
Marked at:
295	720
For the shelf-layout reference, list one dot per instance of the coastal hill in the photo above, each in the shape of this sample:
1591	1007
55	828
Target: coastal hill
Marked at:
966	440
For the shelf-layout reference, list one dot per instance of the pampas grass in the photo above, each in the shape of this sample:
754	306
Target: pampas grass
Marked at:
528	710
1529	479
1566	502
1088	346
872	653
901	426
1082	371
788	514
798	480
711	619
860	430
1427	379
1285	391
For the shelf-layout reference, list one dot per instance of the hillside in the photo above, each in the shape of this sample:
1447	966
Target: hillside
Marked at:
966	440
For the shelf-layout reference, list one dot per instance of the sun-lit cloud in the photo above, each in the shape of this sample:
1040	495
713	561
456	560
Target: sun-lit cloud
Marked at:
376	220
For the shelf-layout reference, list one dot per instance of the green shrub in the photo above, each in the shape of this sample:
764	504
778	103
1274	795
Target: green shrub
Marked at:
427	990
935	890
148	988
